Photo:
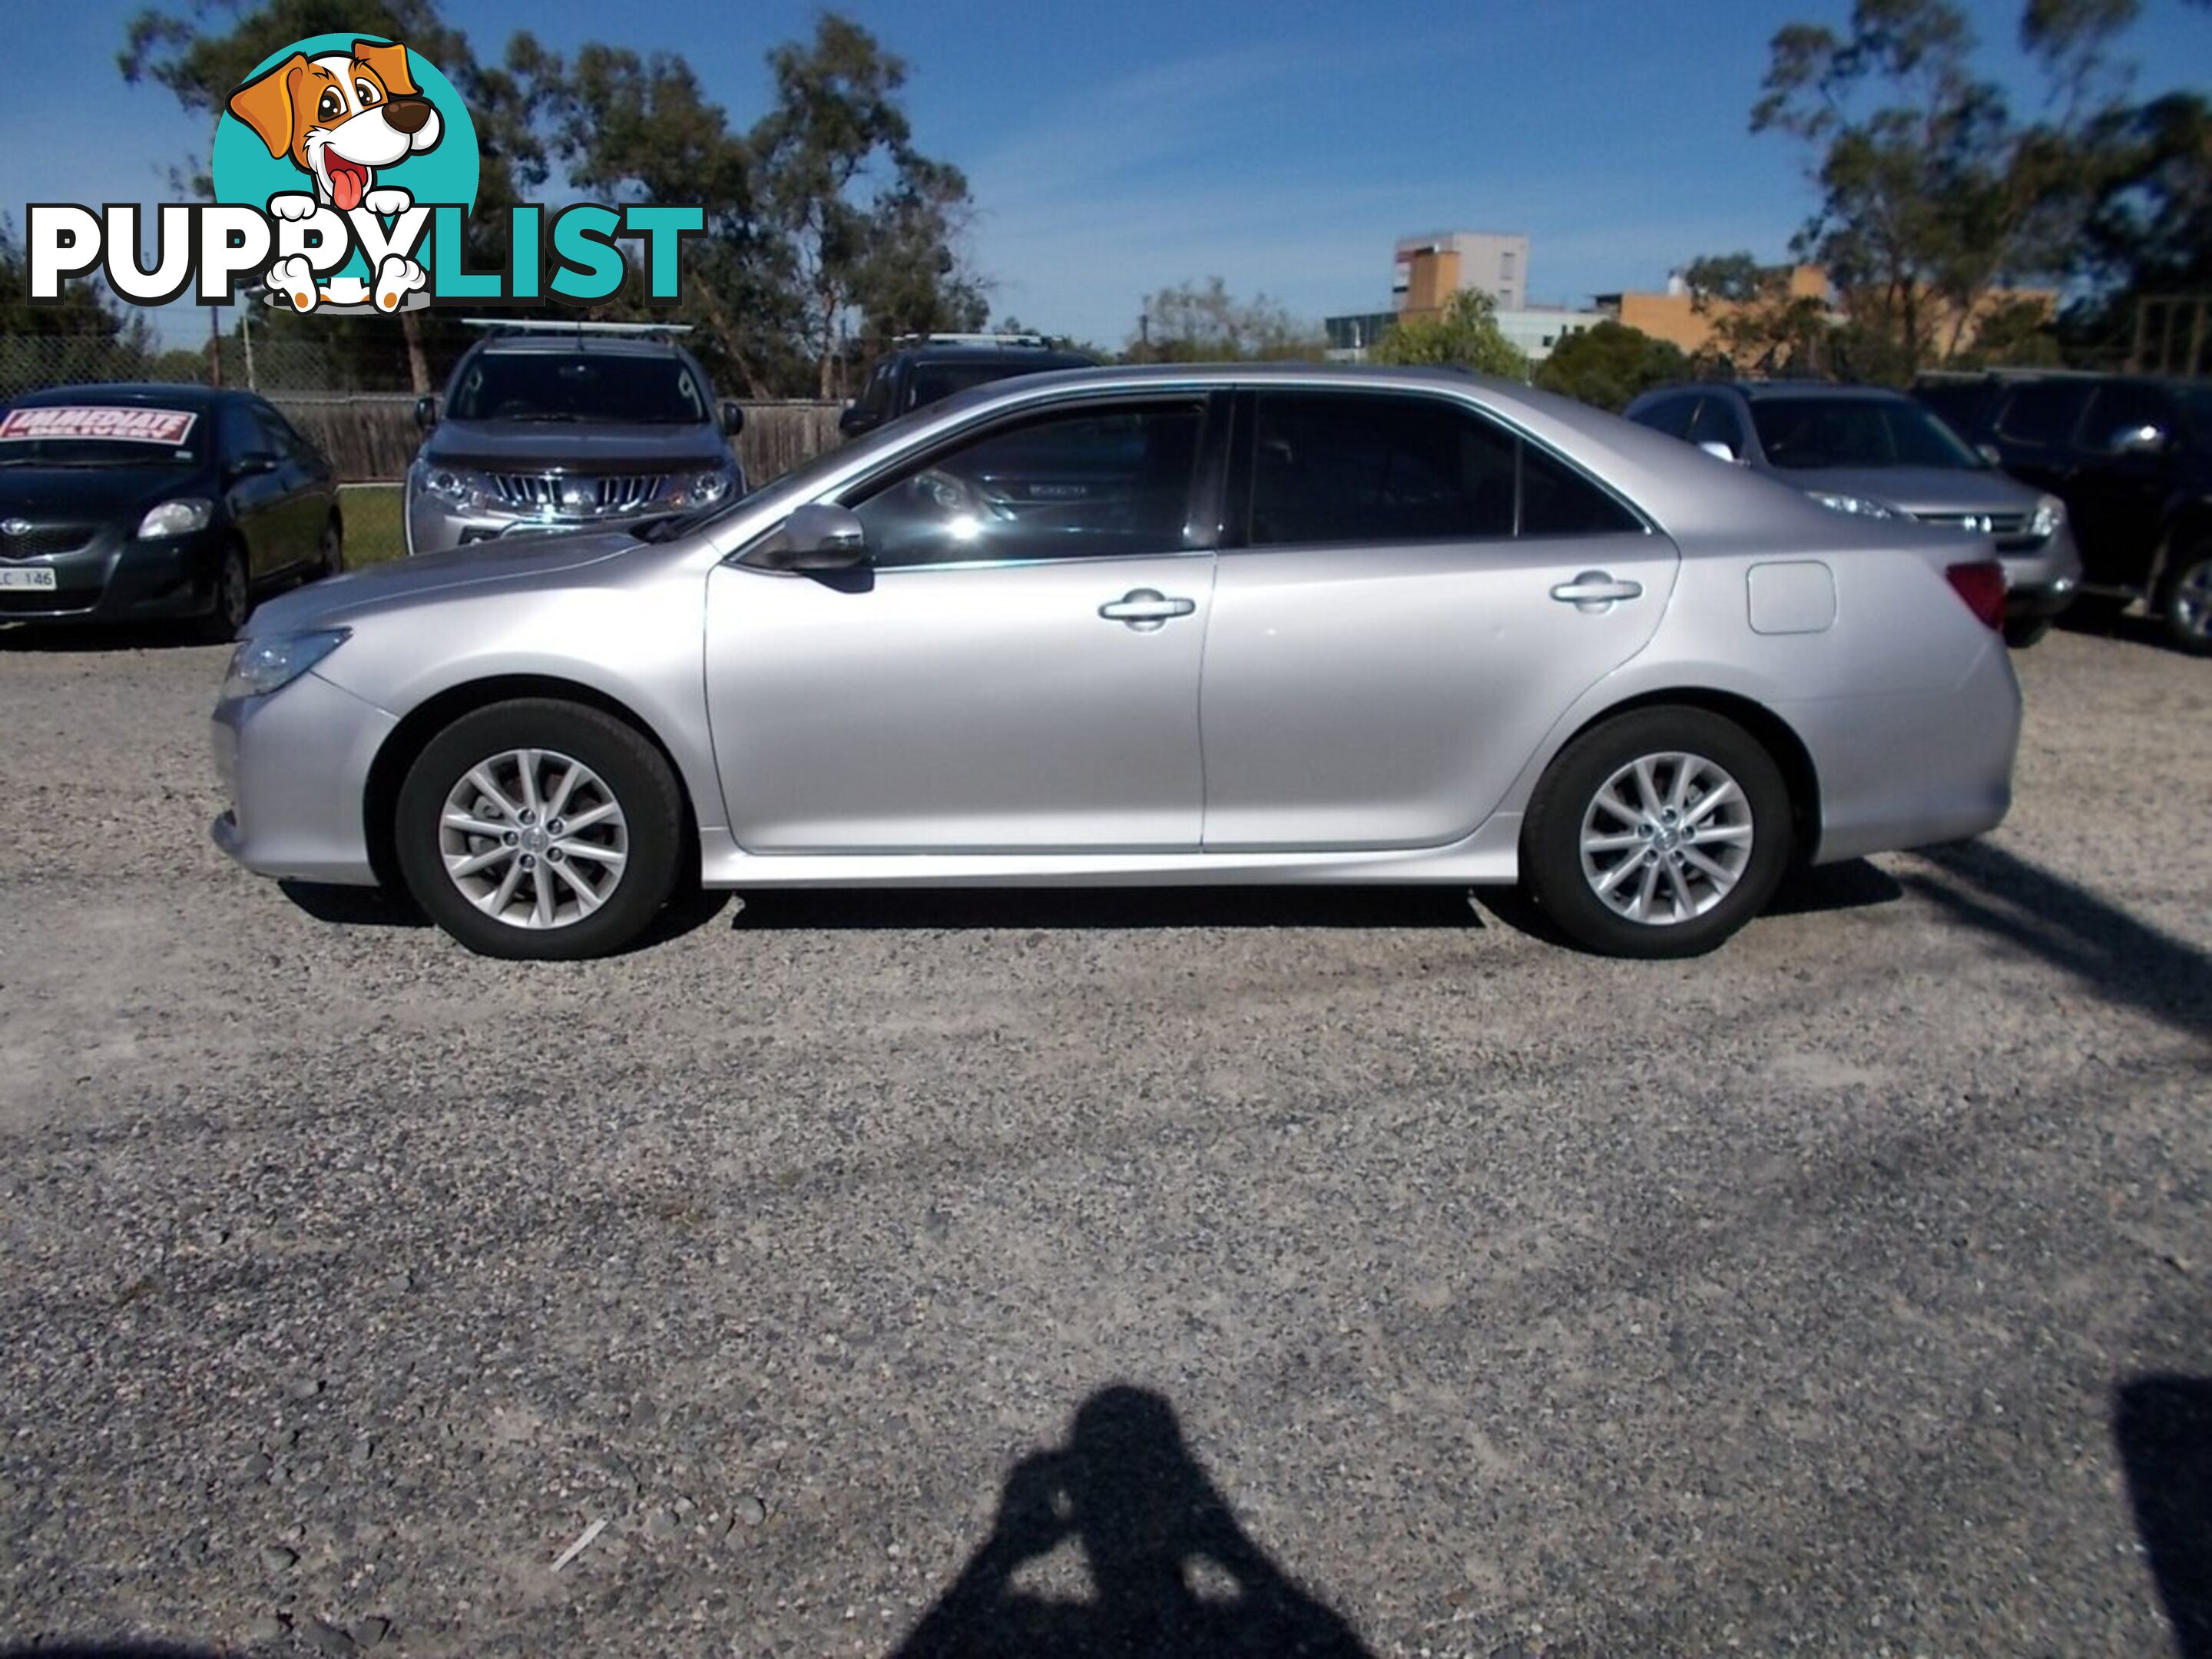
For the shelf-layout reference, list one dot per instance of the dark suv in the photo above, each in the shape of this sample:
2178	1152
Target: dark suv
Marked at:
2131	457
922	368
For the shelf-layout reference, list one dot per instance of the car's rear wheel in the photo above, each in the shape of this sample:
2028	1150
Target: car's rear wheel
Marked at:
2185	599
540	829
1657	834
232	599
2021	632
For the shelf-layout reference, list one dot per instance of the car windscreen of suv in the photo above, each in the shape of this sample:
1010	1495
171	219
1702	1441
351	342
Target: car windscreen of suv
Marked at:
1844	432
545	385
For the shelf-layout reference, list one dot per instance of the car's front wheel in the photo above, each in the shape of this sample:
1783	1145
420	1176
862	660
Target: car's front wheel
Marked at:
2185	601
540	829
1657	834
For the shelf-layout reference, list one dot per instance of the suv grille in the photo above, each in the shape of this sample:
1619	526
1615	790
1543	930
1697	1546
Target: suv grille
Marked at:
2010	529
45	540
557	493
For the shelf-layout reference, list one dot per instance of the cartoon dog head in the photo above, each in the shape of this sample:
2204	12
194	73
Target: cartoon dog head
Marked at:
341	118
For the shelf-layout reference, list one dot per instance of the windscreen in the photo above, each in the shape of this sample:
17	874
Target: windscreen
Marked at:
1845	432
98	434
594	386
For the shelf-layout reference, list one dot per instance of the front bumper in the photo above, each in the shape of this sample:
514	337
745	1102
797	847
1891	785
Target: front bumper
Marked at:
294	765
120	578
2041	581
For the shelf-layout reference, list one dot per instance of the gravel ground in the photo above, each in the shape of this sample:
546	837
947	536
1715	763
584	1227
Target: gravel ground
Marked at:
1392	1279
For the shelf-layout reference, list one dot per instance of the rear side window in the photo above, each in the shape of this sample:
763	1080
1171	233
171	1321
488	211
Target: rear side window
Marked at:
1330	467
2043	412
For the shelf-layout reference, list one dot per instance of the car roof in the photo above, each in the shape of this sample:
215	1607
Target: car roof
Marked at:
178	395
974	352
568	345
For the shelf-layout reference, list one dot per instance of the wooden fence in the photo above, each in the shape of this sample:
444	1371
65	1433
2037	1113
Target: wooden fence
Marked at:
370	437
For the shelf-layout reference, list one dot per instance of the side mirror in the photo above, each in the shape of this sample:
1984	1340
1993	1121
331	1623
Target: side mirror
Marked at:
1717	450
822	537
255	463
426	412
855	420
1990	454
2138	440
733	418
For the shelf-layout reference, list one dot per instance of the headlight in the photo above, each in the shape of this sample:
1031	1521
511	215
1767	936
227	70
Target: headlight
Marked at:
1860	506
273	662
2050	513
175	518
700	489
447	484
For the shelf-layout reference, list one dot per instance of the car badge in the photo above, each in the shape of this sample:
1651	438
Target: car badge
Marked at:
15	526
576	497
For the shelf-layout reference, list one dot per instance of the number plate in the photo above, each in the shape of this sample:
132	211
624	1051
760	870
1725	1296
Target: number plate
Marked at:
35	575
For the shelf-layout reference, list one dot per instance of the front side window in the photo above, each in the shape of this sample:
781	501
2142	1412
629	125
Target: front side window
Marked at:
1671	416
1333	467
1105	481
1718	422
2122	410
2042	412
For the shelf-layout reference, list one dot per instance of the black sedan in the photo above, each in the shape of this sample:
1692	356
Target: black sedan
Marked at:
146	503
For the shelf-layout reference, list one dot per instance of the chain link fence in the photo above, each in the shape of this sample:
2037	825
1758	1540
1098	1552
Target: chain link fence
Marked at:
355	400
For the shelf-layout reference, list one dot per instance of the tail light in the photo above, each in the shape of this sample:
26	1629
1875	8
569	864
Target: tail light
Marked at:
1981	586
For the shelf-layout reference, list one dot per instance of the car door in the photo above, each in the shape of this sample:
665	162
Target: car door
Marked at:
256	495
303	501
1016	667
2119	494
1410	595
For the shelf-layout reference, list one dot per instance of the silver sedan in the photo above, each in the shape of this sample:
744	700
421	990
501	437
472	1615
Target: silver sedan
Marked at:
1146	627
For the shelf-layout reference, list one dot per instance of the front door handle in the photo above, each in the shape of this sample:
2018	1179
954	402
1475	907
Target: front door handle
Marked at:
1145	610
1596	589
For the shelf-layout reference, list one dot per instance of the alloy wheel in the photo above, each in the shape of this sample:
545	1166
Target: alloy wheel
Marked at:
1666	838
533	838
2190	608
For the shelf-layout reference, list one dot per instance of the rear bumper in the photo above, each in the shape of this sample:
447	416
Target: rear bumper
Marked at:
295	767
1914	770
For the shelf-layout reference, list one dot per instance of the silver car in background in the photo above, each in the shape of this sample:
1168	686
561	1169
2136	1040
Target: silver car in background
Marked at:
1169	625
1878	454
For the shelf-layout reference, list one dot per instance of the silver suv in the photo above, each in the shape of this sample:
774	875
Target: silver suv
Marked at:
550	427
1881	454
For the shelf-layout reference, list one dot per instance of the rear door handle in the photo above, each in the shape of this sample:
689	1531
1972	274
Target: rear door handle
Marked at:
1596	589
1145	610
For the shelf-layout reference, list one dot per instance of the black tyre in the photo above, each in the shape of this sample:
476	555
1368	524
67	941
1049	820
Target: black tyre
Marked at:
2021	632
1657	834
2184	599
540	829
232	599
329	552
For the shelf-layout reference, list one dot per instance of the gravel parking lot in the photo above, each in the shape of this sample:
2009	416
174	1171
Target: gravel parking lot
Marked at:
1098	1274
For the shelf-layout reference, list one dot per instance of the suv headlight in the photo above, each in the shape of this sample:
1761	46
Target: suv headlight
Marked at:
1863	507
701	489
447	484
2050	513
275	660
178	518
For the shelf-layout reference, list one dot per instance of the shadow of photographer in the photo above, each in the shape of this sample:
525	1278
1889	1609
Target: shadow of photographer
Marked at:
1171	1571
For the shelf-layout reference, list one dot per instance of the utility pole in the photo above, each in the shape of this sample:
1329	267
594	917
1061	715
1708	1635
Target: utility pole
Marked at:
214	345
1144	337
246	331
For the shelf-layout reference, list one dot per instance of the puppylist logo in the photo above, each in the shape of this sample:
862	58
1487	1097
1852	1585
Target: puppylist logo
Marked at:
345	168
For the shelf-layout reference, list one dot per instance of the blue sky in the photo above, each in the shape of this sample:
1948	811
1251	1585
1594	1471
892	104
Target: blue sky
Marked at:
1115	149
